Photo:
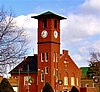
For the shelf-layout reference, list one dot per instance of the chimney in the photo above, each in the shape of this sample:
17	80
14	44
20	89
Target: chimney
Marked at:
65	52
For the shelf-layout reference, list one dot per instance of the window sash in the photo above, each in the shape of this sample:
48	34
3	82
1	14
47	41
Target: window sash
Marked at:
65	80
77	82
72	81
42	57
46	56
42	77
46	70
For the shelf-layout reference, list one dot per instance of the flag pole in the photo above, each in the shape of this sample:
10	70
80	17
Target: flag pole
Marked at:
19	79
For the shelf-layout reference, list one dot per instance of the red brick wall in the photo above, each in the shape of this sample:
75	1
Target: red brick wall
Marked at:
87	89
50	47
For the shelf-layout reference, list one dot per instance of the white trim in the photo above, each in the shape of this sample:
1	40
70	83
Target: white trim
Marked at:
42	75
42	57
46	71
46	56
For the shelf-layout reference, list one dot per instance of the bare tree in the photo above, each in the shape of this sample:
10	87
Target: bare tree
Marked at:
95	57
13	41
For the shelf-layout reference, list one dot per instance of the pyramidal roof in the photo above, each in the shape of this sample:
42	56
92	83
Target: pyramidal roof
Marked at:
48	14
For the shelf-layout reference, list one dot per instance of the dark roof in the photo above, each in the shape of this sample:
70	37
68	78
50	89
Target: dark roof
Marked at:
49	15
23	66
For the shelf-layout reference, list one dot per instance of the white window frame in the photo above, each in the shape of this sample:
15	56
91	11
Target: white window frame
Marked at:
54	57
72	81
42	57
42	75
54	71
46	70
66	81
46	56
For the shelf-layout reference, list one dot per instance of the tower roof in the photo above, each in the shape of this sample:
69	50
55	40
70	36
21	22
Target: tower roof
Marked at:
49	15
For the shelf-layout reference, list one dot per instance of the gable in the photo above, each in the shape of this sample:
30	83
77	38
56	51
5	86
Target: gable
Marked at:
67	63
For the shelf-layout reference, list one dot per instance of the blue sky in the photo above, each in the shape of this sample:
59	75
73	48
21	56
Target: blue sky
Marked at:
24	7
80	33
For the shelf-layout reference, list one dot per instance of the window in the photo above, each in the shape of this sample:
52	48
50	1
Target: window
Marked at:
56	79
54	71
56	75
77	81
46	56
42	77
57	72
94	84
26	78
46	70
72	81
44	23
54	57
65	80
42	57
55	23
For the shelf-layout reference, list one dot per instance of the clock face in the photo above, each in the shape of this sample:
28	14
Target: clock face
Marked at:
55	34
44	33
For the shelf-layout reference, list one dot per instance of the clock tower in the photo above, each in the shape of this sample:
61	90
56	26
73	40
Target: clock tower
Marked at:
48	49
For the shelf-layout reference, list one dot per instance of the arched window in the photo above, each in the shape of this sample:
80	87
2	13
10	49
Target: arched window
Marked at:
66	79
44	23
73	80
42	77
46	56
42	57
55	23
46	70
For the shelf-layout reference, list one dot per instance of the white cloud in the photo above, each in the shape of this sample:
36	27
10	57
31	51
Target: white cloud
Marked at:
92	5
30	26
80	26
26	21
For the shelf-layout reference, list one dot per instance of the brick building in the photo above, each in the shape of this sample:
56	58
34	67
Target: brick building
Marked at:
48	65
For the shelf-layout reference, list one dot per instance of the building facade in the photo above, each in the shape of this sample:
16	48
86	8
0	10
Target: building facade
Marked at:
57	69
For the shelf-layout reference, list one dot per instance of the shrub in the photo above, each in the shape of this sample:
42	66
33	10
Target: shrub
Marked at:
5	86
47	88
